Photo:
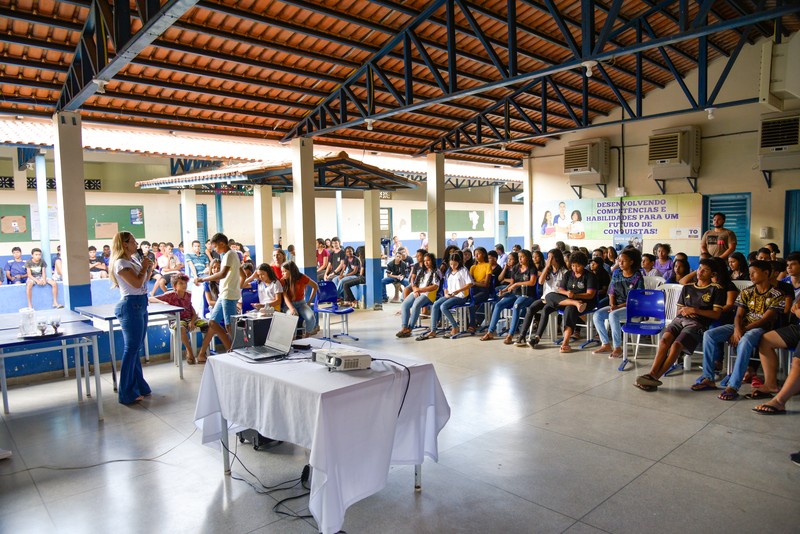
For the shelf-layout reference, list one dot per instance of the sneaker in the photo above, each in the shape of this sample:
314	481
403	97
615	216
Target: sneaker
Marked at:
7	454
532	342
795	458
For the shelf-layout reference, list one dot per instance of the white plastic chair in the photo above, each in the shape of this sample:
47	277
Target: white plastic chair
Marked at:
653	282
741	284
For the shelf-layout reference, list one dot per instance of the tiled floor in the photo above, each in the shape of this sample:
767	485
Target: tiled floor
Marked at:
537	442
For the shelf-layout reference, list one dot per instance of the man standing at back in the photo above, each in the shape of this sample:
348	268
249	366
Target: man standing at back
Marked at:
229	294
719	241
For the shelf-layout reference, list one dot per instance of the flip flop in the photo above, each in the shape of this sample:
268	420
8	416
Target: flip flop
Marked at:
565	349
758	394
766	409
648	380
728	395
644	387
423	337
702	386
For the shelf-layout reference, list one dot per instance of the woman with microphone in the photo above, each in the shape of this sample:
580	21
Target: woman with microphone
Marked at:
130	272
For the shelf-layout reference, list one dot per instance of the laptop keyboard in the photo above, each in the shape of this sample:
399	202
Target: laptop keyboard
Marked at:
263	349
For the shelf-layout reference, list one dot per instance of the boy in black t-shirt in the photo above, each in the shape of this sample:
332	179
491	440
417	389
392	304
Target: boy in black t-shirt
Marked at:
37	276
699	305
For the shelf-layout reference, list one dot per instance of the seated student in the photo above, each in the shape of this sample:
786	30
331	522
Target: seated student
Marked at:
649	265
322	258
577	292
167	265
351	268
737	264
538	260
423	293
58	275
179	296
234	246
501	254
758	307
356	280
518	294
793	272
491	257
504	278
396	275
278	259
416	269
764	254
699	305
196	261
550	279
680	269
335	260
294	290
777	404
664	264
783	338
597	266
469	260
481	274
180	256
612	258
774	250
449	251
147	252
624	279
106	254
456	292
403	251
210	252
97	267
270	290
36	270
16	273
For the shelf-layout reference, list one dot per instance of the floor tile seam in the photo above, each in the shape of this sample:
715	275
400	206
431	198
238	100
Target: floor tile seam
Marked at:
587	524
660	410
735	483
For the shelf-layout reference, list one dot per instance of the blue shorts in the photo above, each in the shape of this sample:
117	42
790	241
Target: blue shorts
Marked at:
222	311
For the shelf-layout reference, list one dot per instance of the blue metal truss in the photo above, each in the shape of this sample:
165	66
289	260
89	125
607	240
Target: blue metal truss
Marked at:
348	107
459	182
178	166
107	44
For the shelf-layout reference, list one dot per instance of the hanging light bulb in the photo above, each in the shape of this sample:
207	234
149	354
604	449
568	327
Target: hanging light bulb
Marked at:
710	112
589	65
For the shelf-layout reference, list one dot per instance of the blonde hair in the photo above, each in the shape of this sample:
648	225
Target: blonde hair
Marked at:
117	252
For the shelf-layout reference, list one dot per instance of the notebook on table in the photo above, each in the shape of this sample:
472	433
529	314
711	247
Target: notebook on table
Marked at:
279	340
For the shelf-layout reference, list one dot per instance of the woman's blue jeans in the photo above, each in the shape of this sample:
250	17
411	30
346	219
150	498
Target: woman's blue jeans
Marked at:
305	311
502	304
411	308
131	313
443	307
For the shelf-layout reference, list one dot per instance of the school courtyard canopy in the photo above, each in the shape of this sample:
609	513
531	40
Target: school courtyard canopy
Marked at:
336	173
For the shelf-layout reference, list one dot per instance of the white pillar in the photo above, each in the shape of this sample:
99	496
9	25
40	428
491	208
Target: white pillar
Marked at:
435	195
373	272
303	203
287	234
496	204
527	204
262	211
189	219
44	214
71	208
339	214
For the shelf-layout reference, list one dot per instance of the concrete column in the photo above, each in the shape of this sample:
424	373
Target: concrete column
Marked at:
20	175
435	196
44	215
218	212
527	204
71	208
189	219
305	224
339	214
496	205
373	272
262	211
287	233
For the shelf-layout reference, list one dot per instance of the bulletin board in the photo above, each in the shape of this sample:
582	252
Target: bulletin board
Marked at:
15	223
103	222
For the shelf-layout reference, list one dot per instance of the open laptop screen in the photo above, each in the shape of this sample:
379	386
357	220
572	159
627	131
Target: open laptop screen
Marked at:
281	331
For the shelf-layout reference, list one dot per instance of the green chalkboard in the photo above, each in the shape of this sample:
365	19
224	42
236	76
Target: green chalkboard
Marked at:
126	218
15	222
454	220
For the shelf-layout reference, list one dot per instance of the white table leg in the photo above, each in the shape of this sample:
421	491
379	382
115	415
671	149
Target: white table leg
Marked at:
226	460
3	384
418	477
64	358
146	348
113	353
177	345
85	351
98	395
78	352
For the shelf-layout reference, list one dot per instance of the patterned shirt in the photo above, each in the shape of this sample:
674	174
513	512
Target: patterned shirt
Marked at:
707	297
173	299
757	304
620	285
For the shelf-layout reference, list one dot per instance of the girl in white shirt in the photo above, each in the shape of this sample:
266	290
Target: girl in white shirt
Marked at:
456	293
270	290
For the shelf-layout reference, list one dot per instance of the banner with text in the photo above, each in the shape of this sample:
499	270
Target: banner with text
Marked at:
659	218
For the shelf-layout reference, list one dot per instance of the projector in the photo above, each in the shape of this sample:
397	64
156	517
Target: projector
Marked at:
342	359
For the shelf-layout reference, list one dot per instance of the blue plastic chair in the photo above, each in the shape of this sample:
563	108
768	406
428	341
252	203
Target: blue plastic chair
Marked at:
325	306
249	297
648	307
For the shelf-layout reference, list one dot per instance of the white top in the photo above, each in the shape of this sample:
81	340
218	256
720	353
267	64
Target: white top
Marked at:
456	280
229	286
267	293
125	288
552	282
576	227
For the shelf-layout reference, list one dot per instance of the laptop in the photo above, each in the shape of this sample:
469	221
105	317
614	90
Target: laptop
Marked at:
278	342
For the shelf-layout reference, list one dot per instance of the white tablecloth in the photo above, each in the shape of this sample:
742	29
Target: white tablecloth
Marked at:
348	420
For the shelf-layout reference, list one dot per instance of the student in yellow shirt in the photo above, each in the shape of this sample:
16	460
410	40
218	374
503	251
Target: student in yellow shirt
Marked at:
481	273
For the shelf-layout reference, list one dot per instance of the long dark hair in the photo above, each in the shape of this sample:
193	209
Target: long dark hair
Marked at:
293	275
266	268
538	259
635	256
459	259
559	257
742	261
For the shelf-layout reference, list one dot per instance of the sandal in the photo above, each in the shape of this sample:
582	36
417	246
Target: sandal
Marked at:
768	409
451	334
757	394
705	385
728	395
565	349
616	353
423	337
488	336
403	333
190	359
602	349
648	380
521	342
471	329
644	387
509	340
